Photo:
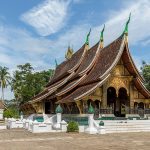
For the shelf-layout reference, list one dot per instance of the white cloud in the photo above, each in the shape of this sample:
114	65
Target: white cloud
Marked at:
146	42
78	1
18	46
48	17
21	40
8	94
138	27
4	59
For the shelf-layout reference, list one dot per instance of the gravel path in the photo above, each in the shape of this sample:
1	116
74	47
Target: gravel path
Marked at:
19	139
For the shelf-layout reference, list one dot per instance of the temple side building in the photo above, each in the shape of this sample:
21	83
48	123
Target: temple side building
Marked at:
105	77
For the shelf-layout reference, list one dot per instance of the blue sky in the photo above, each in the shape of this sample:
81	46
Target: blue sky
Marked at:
38	31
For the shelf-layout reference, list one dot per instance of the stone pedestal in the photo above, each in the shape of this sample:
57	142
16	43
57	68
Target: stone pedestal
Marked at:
102	130
91	129
58	125
63	126
81	129
30	125
1	114
26	124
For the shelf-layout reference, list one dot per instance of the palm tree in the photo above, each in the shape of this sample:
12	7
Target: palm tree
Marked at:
4	79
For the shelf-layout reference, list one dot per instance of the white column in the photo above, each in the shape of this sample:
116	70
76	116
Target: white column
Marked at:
91	129
57	125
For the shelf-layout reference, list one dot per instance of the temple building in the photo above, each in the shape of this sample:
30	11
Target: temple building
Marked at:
103	76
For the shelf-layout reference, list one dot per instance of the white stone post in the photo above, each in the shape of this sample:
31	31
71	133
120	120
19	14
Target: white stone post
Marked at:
91	129
12	123
30	125
1	113
102	129
58	116
63	126
21	115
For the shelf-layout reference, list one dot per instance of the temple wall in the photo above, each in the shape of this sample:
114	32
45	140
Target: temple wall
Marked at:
120	77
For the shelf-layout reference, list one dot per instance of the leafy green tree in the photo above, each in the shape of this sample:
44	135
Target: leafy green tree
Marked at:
11	112
26	83
5	79
146	74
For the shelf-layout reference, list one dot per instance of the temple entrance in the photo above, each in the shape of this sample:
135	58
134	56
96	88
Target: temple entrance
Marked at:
117	104
111	99
47	107
122	101
141	109
141	105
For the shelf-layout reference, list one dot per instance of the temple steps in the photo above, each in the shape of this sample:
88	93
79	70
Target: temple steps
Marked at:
116	126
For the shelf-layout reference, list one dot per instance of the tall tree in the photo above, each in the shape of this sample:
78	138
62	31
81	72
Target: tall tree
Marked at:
26	83
146	74
4	79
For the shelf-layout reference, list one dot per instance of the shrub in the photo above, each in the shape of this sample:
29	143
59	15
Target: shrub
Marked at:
9	113
72	126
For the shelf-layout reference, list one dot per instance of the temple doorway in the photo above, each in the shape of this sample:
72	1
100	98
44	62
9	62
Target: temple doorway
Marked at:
122	100
111	98
117	104
141	105
47	107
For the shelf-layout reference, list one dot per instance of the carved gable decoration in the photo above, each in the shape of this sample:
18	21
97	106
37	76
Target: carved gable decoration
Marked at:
119	82
118	71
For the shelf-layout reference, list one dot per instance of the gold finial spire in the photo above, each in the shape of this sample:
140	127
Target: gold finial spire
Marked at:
69	52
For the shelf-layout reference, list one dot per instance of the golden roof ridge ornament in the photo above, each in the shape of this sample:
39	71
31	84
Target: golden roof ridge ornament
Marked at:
69	52
125	32
102	38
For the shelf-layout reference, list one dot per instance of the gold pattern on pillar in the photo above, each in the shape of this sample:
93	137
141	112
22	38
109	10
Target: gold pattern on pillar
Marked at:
38	107
80	106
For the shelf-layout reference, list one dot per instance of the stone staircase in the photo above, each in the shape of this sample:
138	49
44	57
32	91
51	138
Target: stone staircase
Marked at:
118	126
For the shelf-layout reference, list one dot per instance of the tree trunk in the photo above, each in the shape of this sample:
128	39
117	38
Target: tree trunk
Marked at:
2	94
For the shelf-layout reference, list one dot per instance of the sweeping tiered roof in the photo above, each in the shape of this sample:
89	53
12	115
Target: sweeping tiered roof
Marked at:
63	73
105	61
83	64
88	69
68	66
80	74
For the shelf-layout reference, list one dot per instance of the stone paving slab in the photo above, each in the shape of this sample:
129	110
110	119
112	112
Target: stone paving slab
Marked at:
20	139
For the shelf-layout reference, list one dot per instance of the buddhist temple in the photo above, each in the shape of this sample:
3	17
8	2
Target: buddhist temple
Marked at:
102	76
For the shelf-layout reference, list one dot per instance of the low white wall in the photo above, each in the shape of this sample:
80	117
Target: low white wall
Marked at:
12	123
1	113
37	127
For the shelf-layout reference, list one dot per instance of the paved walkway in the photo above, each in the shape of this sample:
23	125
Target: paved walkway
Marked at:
19	139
